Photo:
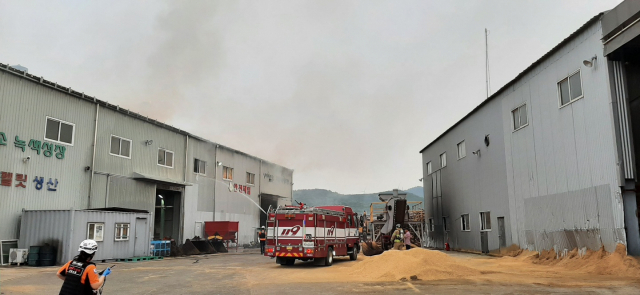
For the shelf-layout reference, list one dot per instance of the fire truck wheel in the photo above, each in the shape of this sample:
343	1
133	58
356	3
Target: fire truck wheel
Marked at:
329	259
354	253
291	261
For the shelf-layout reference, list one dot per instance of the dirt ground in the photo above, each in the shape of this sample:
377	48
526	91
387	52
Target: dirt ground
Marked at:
390	273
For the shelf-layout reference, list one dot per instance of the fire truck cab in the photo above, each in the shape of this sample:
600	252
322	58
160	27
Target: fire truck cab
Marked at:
312	233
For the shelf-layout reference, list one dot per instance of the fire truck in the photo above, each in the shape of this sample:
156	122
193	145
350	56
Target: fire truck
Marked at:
312	233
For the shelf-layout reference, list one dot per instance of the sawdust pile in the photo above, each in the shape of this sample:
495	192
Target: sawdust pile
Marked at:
420	263
594	262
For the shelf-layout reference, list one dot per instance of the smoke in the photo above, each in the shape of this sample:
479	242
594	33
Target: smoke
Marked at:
344	92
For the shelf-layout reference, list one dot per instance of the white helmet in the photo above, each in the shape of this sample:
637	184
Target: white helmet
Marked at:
89	246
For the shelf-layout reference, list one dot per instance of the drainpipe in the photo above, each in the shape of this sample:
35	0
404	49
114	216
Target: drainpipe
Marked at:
93	157
106	196
161	218
215	180
260	191
291	187
186	158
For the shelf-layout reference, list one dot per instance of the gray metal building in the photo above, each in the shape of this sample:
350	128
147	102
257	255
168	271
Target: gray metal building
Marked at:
61	149
549	160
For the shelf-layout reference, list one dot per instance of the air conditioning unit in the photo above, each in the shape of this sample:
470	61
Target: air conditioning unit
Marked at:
18	256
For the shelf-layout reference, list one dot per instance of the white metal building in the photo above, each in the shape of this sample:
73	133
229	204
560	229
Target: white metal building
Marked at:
549	160
61	149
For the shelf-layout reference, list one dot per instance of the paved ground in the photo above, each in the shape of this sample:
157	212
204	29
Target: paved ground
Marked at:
250	273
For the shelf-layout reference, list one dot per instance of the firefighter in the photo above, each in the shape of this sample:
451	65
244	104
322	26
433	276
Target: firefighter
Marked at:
80	275
398	238
263	239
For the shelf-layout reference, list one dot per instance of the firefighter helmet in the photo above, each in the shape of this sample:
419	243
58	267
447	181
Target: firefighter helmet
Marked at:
88	246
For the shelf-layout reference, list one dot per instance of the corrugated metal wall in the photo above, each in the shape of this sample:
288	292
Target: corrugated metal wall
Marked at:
558	175
473	184
25	107
570	220
66	229
565	151
144	157
28	100
52	227
624	123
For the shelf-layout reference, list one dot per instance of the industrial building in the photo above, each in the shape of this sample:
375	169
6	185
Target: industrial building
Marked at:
61	149
550	160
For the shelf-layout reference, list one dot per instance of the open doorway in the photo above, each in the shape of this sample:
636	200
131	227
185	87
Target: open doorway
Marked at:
167	218
267	201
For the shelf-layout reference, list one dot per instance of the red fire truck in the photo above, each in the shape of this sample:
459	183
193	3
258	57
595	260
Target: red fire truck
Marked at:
306	233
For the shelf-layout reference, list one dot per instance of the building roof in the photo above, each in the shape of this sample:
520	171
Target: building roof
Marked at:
86	97
526	71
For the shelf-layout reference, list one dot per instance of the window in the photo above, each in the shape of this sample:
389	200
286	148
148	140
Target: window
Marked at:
432	227
199	166
251	178
443	160
59	131
165	158
570	88
445	223
95	231
519	115
429	170
464	220
227	173
462	151
485	221
120	147
122	231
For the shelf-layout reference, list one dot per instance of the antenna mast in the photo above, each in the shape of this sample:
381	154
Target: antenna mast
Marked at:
487	73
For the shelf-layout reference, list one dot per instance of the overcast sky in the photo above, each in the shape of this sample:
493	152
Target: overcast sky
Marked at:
346	93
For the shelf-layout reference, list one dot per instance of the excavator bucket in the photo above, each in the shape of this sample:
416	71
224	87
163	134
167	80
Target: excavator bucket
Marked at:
371	248
204	247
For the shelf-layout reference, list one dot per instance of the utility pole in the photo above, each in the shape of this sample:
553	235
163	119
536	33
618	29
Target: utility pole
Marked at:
486	47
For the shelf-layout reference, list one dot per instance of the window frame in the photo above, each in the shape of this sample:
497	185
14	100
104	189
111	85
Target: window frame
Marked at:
431	224
251	178
560	105
429	168
513	124
128	227
483	225
121	139
165	158
196	166
443	163
462	223
73	133
464	150
223	174
94	231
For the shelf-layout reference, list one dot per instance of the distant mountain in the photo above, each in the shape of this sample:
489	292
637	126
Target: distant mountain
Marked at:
418	191
358	202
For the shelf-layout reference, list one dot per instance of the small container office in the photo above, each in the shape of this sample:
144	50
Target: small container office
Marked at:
120	233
